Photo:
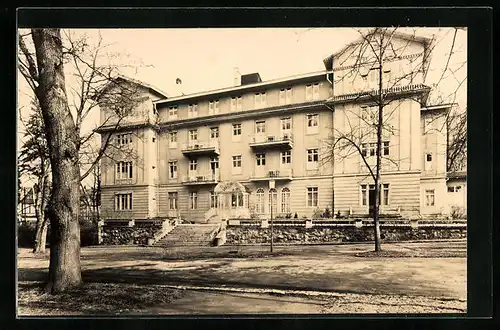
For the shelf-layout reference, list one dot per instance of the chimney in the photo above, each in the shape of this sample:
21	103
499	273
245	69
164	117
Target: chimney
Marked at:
251	78
237	76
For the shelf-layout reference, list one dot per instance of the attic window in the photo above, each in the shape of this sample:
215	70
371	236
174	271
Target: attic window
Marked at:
429	157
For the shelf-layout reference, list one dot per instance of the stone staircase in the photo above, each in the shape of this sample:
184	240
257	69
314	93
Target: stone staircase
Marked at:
190	235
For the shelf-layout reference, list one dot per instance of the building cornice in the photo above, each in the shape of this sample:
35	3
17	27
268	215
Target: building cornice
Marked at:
343	175
387	92
250	87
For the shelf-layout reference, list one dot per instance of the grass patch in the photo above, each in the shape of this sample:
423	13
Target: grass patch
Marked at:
93	299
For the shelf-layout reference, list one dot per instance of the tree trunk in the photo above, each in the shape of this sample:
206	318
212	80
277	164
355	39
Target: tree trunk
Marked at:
376	209
62	139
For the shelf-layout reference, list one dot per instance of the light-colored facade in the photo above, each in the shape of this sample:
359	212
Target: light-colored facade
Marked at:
229	152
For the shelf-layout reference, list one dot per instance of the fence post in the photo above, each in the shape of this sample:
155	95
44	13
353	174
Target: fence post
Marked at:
100	224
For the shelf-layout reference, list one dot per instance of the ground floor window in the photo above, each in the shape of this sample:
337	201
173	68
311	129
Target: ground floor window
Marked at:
429	197
285	200
172	200
213	199
312	196
237	199
259	203
193	200
123	202
273	200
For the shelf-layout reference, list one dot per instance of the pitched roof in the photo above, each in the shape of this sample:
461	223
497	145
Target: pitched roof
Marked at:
423	40
141	83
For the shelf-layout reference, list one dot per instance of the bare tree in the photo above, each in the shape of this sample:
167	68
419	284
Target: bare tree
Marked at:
43	62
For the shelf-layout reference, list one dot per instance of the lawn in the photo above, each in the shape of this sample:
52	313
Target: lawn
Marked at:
422	277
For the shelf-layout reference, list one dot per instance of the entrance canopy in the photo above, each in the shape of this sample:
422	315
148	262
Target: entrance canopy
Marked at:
229	187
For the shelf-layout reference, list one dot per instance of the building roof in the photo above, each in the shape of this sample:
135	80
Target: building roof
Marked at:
244	87
328	61
141	83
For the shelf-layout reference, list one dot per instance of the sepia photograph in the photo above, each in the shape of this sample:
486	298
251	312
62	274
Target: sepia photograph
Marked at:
254	171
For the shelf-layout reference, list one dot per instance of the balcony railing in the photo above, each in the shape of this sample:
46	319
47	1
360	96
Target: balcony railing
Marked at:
272	141
201	178
273	174
201	148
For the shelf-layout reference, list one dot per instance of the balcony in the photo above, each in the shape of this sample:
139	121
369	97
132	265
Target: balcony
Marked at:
209	148
283	141
201	178
275	174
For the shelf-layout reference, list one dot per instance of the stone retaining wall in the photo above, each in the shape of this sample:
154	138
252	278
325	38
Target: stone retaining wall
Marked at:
318	235
125	235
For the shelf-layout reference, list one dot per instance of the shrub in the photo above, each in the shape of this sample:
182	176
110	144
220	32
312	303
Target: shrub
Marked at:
327	214
458	212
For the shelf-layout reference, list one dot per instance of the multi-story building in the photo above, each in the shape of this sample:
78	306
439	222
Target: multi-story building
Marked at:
238	151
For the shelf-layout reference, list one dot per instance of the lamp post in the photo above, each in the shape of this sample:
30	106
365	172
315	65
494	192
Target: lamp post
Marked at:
271	196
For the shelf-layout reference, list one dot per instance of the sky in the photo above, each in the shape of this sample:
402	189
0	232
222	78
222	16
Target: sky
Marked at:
205	59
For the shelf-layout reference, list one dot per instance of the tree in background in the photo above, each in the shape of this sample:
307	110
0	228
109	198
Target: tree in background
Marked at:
34	161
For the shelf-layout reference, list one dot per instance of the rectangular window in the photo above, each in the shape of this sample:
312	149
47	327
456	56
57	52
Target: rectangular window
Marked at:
173	199
286	124
385	194
192	110
172	169
172	112
172	139
312	123
123	202
193	135
385	148
428	157
214	132
193	200
261	159
260	100
429	197
312	159
123	139
193	165
236	103
286	157
213	199
124	170
237	161
368	149
364	197
213	107
285	96
260	127
312	196
237	129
